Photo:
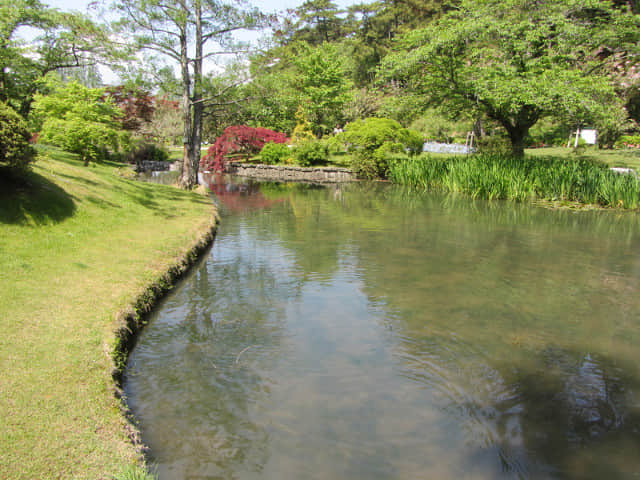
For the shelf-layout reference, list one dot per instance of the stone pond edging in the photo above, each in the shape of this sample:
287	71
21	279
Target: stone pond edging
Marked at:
292	173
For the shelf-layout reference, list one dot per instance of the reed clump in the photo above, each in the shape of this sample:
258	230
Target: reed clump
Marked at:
521	179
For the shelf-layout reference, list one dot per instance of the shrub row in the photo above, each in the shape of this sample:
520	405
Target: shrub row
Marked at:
505	177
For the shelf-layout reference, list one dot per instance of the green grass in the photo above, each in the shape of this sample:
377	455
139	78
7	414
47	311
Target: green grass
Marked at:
175	152
581	180
77	245
627	158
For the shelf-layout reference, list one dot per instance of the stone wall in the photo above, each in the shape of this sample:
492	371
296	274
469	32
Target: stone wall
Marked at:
291	173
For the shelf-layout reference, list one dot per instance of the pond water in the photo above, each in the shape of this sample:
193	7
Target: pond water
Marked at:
361	332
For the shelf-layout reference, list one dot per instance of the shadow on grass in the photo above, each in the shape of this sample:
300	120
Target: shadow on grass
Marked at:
155	197
32	199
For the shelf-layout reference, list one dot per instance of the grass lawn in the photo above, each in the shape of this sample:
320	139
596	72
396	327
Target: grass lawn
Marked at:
77	245
629	158
175	153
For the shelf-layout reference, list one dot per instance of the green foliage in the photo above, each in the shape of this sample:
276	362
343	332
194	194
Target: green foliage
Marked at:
508	177
15	150
323	85
516	61
628	141
78	119
311	153
370	134
494	145
60	40
434	126
302	132
548	132
611	123
273	153
373	139
147	152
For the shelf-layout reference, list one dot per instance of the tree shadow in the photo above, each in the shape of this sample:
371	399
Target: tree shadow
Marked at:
32	198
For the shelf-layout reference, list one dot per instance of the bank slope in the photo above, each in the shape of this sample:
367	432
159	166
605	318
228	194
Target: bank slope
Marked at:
78	246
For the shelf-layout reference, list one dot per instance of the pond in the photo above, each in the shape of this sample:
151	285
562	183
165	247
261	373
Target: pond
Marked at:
363	332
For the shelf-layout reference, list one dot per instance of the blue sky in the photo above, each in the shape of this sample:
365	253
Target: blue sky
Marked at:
266	5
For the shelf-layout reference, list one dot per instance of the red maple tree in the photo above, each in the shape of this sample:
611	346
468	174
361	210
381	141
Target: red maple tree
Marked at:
238	140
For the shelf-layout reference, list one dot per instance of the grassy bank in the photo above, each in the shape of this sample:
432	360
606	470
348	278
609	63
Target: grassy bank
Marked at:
530	178
77	245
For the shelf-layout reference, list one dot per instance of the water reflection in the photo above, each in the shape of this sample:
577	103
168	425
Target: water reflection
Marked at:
359	332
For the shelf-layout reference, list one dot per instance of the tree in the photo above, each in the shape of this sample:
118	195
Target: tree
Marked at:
15	150
62	40
240	140
78	119
317	21
516	61
137	106
166	122
186	32
322	84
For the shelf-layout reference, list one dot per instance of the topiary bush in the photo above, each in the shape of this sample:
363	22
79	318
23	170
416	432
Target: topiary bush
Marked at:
273	153
16	152
310	153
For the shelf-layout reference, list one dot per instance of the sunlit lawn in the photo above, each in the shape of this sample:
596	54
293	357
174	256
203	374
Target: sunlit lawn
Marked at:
77	244
628	158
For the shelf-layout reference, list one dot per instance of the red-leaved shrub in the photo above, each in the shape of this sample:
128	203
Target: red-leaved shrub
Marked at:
240	140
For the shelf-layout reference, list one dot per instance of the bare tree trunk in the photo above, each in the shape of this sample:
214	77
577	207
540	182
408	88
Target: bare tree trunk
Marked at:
192	105
198	106
186	181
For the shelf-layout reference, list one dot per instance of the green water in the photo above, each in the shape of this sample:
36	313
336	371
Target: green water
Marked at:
360	332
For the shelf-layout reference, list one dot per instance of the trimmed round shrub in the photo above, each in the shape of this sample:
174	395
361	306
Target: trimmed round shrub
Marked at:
273	153
15	150
310	153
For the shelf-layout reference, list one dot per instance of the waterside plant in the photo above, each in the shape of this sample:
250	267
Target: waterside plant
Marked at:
520	179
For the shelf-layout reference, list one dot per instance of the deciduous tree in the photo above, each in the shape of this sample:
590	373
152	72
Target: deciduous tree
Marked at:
186	33
516	61
78	119
61	40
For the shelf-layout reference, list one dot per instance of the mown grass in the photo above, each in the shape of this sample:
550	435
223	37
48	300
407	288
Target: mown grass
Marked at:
627	158
531	178
77	245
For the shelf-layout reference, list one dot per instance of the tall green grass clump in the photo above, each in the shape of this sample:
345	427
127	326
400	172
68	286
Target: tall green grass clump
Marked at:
520	179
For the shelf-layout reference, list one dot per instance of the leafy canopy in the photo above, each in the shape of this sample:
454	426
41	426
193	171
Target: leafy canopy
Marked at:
78	119
15	151
516	60
62	40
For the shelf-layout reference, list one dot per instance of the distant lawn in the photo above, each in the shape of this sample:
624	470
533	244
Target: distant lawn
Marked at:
77	244
627	158
175	153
